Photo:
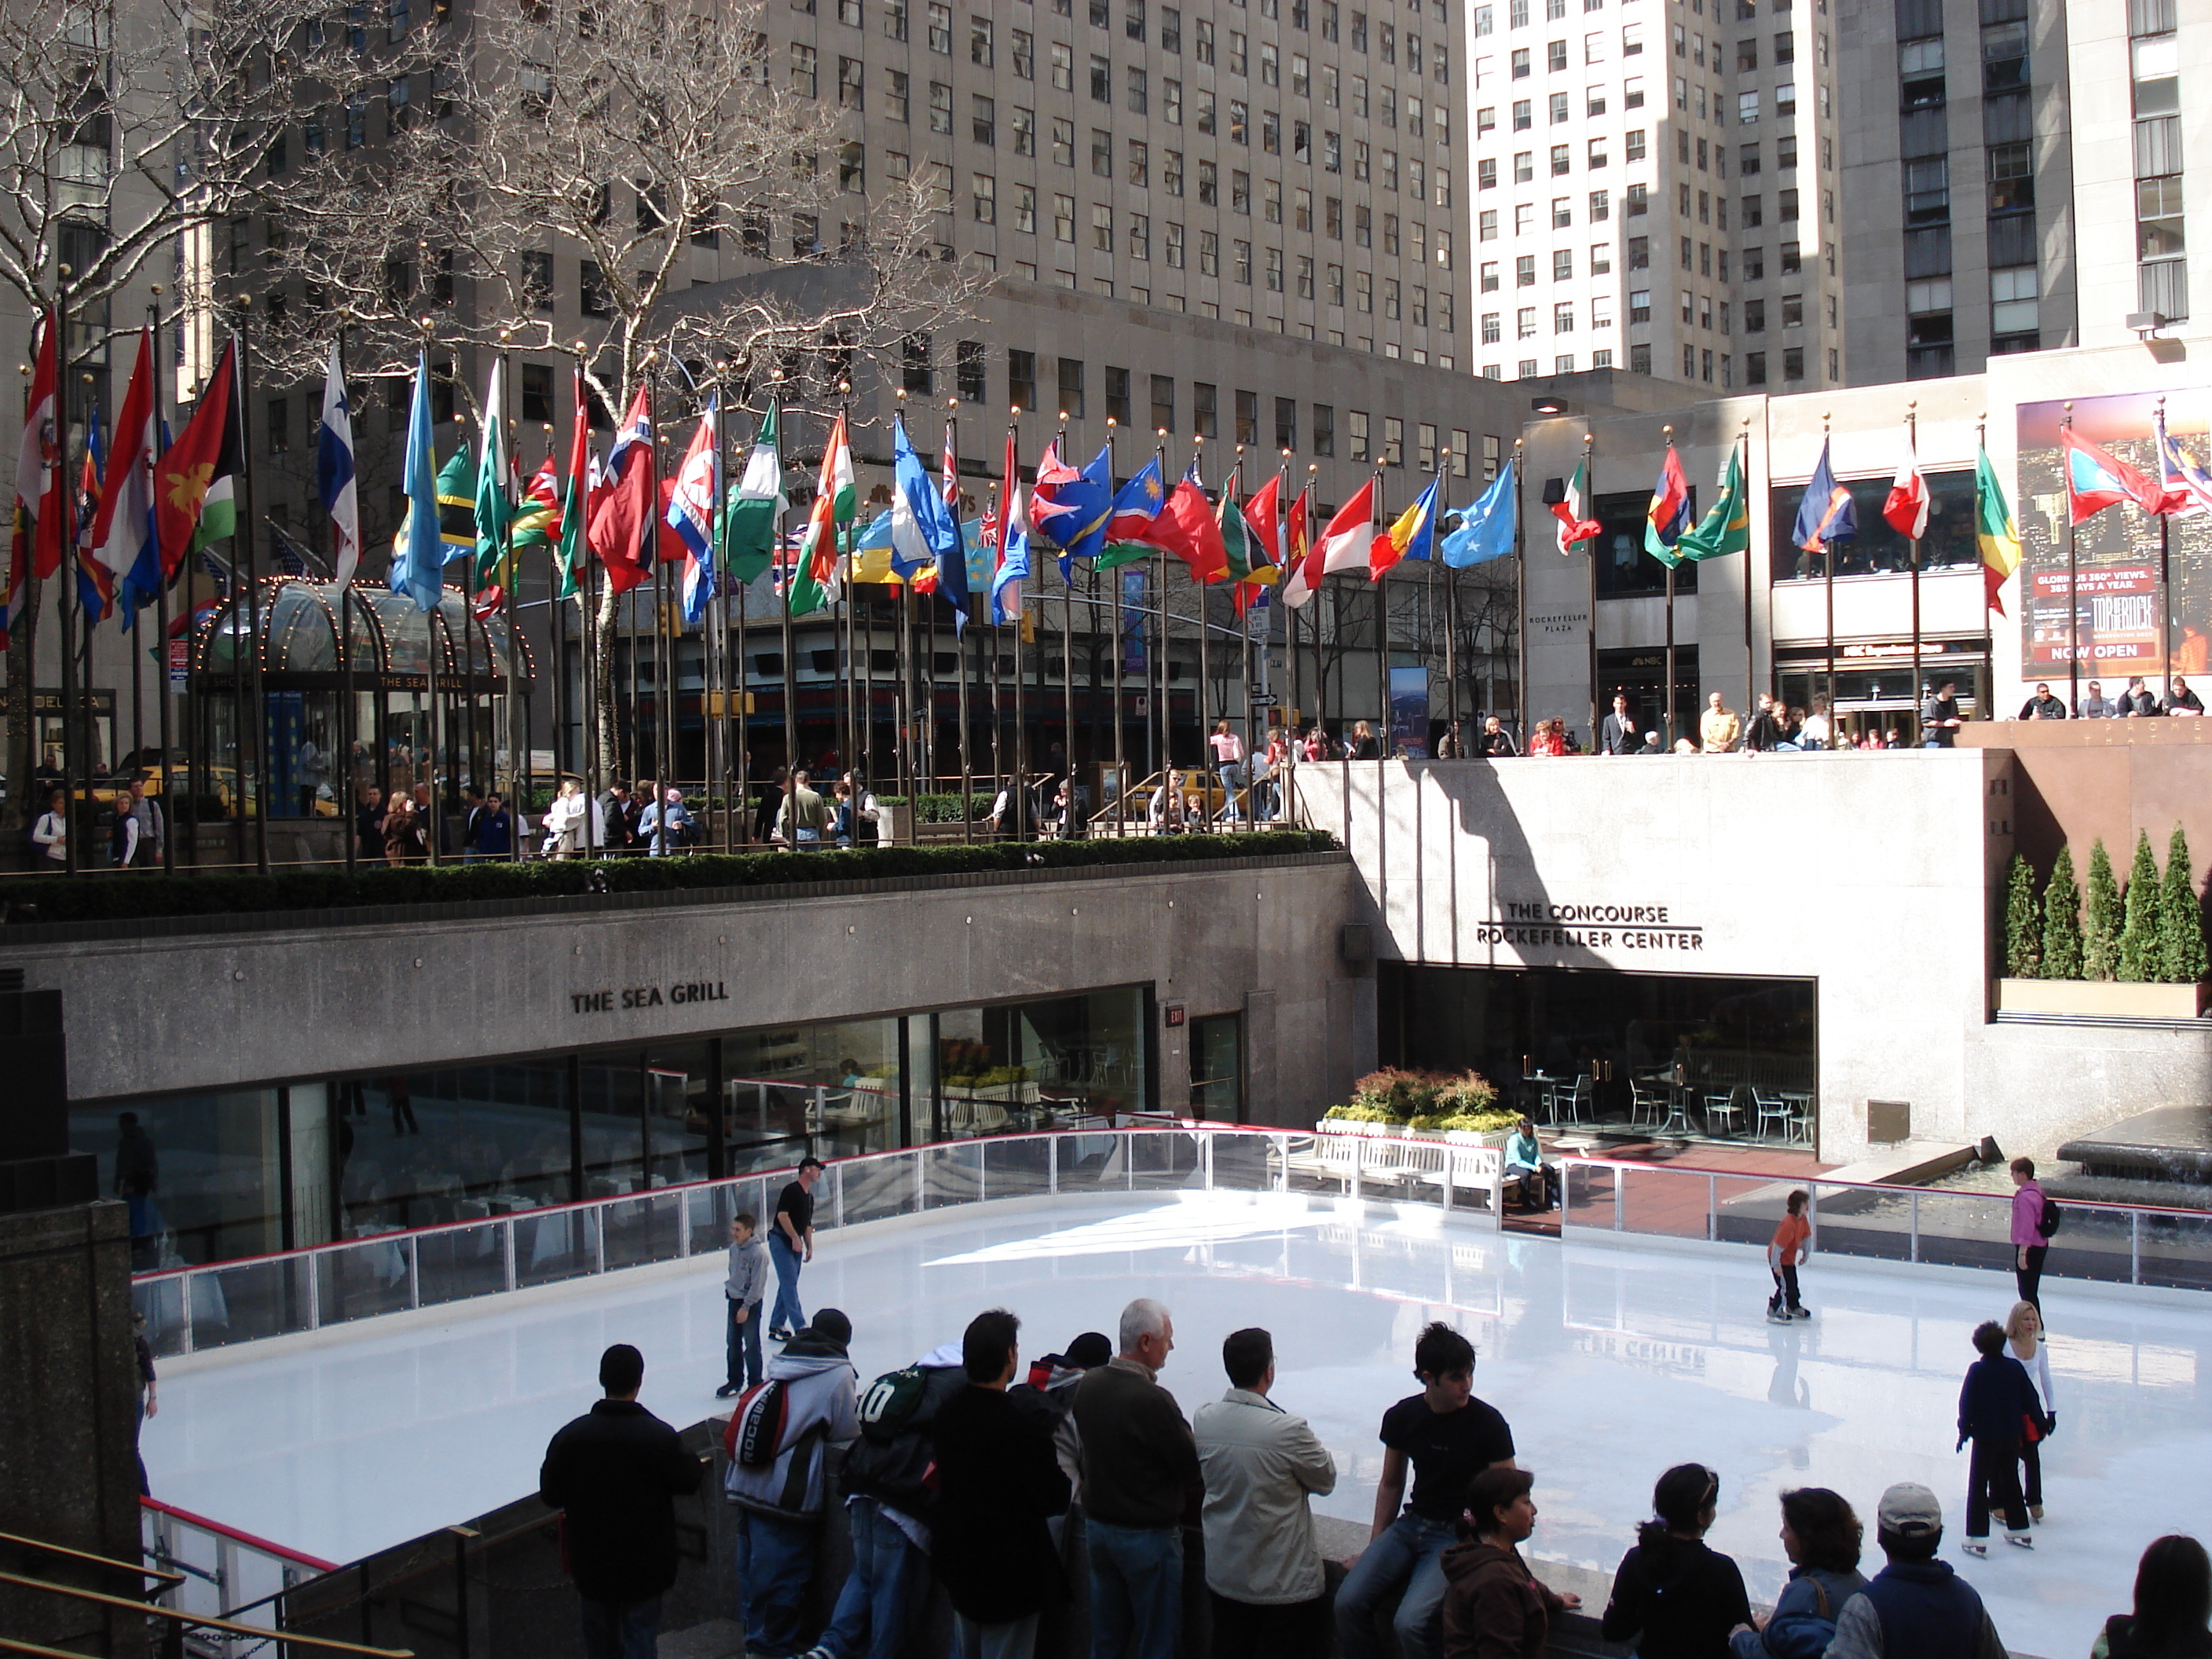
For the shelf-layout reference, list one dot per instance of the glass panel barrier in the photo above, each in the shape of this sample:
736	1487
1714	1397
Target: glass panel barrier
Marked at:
1671	1203
1017	1166
1592	1196
950	1175
245	1301
2176	1250
557	1245
459	1262
359	1281
1867	1221
1093	1163
642	1229
1244	1164
877	1188
1164	1158
1747	1209
1959	1229
2098	1244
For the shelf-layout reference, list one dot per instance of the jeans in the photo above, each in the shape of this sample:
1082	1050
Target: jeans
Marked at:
622	1630
1244	1630
788	1315
744	1348
1016	1639
876	1609
2030	1278
776	1558
1406	1560
1231	776
1993	1483
1136	1588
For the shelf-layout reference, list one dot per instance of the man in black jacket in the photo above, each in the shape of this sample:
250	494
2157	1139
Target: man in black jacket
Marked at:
615	1472
1139	1473
1618	736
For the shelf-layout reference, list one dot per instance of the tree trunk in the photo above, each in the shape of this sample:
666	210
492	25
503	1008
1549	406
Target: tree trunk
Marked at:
612	760
20	755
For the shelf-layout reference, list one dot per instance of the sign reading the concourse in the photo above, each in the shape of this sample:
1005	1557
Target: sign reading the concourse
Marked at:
1545	924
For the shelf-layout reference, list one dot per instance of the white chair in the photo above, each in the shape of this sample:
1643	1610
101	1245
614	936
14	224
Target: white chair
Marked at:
1773	1114
1724	1107
1650	1101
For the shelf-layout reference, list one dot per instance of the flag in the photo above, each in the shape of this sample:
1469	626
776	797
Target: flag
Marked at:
334	470
1137	503
2096	479
1263	516
419	553
1826	515
457	508
95	584
1575	525
1344	545
538	515
1994	530
495	497
1726	527
814	583
192	481
123	533
39	484
1186	527
1668	513
1412	536
1485	529
1013	557
1236	534
576	490
2185	487
621	530
754	505
697	487
1087	504
949	468
1906	507
922	528
1302	571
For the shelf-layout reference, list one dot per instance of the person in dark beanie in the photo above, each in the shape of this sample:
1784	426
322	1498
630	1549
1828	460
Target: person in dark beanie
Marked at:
615	1473
997	1484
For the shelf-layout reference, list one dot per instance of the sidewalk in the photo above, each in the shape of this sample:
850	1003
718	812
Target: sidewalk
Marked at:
1749	1158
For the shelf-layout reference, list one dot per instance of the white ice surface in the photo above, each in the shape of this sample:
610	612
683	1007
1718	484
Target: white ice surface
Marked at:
1610	1361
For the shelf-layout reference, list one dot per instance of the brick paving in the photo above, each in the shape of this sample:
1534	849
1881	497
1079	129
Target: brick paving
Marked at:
1665	1204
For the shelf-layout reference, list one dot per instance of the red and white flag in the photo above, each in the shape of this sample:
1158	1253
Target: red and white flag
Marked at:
1906	510
1344	545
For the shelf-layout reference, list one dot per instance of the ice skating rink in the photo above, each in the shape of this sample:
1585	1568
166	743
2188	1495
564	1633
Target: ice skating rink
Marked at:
1610	1361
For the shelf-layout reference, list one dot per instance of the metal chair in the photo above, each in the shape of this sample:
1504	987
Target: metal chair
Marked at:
1649	1099
1773	1109
1724	1107
1577	1098
1678	1110
1802	1118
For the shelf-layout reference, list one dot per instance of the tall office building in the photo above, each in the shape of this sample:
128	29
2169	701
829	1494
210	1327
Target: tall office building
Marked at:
1656	189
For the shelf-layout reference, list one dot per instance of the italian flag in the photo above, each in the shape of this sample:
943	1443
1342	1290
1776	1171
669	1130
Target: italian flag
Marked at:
814	583
1575	525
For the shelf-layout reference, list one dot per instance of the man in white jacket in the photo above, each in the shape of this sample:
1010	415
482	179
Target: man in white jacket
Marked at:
1263	1570
778	1442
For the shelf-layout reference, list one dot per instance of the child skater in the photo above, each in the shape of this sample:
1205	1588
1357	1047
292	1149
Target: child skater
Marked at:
1792	1242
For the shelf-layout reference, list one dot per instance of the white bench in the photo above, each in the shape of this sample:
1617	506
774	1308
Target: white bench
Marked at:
1359	1161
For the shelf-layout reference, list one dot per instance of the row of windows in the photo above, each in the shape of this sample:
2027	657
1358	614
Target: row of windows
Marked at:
2161	246
1529	368
1563	319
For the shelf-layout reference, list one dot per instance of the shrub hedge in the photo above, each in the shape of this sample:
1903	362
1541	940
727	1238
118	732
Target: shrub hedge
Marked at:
142	895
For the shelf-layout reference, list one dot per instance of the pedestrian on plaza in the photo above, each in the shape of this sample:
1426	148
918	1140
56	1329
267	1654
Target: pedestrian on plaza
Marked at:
1672	1595
404	841
867	810
1447	1436
2096	706
1618	735
889	1509
1763	734
1940	719
772	792
2173	1606
1494	1606
744	1287
2023	1342
2138	702
473	803
1998	1410
1261	1466
1916	1607
665	824
2180	700
148	1400
1654	744
791	1246
564	821
2033	1225
998	1486
802	817
1496	742
1139	1473
1550	738
1822	1538
619	814
1718	728
1524	1166
615	1473
368	823
51	830
138	826
1819	731
778	1442
1785	1252
1228	765
1363	745
2043	705
1452	745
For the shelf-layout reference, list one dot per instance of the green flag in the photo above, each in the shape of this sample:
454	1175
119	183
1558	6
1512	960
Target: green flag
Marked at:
1235	538
755	507
456	505
494	505
1115	554
1726	528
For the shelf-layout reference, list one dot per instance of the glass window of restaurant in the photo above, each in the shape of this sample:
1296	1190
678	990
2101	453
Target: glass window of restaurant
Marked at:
219	1176
1873	691
1877	548
1709	1053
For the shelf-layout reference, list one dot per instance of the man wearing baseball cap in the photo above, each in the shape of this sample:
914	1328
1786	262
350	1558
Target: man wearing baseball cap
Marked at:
1916	1607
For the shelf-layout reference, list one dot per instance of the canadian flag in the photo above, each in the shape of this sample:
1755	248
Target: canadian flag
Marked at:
1906	510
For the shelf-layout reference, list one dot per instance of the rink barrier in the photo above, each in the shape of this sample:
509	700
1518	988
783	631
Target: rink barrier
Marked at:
226	1573
2108	1243
289	1292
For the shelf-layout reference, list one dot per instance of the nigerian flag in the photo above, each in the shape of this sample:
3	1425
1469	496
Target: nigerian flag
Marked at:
755	506
1726	528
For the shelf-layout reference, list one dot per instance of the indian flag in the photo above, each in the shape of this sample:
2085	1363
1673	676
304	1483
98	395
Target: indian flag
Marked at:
1994	530
814	585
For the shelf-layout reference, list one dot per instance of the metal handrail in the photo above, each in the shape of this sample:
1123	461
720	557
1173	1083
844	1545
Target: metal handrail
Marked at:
140	1568
198	1621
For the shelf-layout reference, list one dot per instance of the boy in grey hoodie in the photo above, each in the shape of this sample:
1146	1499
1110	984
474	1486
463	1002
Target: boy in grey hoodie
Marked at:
744	1290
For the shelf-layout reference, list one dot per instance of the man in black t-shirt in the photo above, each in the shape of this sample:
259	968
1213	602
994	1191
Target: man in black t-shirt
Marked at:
791	1245
1448	1436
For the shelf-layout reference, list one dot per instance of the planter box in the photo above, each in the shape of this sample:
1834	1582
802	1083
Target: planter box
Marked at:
895	825
2095	998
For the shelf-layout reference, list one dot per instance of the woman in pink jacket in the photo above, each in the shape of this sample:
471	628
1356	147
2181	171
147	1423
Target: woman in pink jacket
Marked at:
2029	1244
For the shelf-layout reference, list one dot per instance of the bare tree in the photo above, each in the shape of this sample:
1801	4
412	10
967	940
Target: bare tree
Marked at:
640	174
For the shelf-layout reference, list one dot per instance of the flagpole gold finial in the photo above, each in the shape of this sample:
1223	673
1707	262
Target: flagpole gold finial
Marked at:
1110	423
951	404
1666	432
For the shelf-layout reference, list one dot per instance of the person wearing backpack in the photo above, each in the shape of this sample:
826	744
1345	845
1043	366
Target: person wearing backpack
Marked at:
778	1441
2034	1219
1821	1537
888	1505
615	1473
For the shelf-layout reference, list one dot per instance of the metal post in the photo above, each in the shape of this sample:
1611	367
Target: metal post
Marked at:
1712	1207
1915	1243
1520	601
248	538
2073	579
2134	1246
1912	427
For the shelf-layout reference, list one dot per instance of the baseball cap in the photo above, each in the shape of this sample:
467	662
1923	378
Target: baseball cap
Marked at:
1909	1510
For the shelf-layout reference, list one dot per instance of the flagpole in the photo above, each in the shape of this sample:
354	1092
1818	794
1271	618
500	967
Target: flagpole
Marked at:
1912	427
1067	665
1521	606
1120	644
1313	601
1018	792
1750	651
1001	501
1200	596
1380	515
254	588
164	713
1589	551
1160	560
960	632
1828	584
63	508
713	677
2164	567
790	668
519	777
589	646
1667	433
348	815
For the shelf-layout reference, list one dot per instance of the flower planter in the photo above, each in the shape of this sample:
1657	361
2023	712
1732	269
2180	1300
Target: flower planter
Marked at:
2099	998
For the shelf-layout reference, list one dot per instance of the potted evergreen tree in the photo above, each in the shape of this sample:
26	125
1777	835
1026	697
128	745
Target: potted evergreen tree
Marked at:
2137	953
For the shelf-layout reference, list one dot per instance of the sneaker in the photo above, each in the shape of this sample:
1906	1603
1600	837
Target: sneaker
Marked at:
1976	1546
2020	1541
729	1391
779	1336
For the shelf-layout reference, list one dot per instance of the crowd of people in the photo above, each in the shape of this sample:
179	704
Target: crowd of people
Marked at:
965	1467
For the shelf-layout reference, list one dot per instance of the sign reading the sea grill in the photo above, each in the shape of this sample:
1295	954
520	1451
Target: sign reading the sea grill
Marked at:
646	996
1542	925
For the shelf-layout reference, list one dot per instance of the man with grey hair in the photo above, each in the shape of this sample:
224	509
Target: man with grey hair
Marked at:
1140	1469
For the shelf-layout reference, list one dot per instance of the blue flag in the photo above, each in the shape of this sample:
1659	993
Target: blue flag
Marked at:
1826	514
1138	504
1485	529
1080	532
418	552
922	527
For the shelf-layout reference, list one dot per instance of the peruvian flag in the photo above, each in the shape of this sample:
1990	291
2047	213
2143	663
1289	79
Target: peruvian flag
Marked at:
1906	508
1575	525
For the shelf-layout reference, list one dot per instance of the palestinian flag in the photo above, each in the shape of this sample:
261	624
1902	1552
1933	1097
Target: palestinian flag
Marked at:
217	518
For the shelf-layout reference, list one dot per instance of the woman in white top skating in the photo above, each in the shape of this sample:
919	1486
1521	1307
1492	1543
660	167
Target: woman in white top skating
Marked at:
2024	1341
